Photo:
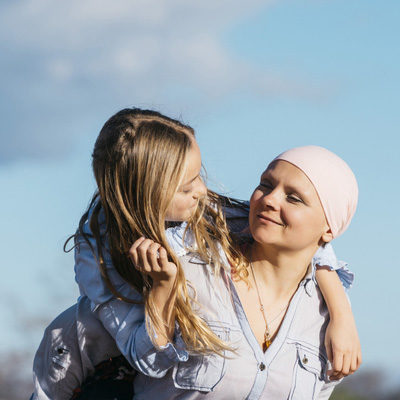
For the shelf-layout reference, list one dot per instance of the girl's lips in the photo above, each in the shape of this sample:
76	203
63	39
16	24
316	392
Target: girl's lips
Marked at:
266	219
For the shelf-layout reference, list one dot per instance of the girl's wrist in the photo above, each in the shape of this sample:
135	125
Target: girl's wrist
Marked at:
164	283
341	313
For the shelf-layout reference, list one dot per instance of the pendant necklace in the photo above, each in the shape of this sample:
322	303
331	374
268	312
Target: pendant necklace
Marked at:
267	334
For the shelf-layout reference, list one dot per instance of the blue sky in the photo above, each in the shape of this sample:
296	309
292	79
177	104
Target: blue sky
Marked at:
253	80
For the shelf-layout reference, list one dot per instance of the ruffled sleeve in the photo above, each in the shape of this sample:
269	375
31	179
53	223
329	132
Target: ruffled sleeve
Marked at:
326	257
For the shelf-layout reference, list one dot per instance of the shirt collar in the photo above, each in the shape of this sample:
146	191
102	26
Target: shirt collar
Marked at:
181	242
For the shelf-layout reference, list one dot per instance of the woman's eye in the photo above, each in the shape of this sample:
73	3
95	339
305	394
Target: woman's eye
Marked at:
294	199
265	185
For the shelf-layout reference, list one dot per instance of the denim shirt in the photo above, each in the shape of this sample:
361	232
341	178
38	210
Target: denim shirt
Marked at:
172	371
293	367
72	345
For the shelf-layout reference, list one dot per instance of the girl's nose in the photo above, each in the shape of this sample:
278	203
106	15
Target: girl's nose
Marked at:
200	189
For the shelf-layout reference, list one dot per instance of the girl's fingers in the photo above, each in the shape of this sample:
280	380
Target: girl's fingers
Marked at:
337	364
133	256
359	359
149	256
163	260
132	253
137	243
328	349
339	376
143	261
329	353
346	364
152	257
354	363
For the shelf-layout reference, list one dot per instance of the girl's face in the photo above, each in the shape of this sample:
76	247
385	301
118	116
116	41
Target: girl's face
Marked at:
285	210
192	188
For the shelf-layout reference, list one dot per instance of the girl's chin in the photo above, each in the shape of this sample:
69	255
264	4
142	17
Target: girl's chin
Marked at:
181	217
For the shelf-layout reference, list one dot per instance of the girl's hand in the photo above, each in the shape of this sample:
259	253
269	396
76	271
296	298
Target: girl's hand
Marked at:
342	347
151	258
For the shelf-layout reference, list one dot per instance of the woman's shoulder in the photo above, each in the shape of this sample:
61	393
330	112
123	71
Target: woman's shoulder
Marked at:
236	214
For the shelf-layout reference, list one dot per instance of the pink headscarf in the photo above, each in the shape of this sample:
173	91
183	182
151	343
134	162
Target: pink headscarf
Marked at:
333	180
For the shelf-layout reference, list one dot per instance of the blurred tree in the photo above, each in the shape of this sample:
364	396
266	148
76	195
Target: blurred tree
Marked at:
394	396
365	385
341	393
15	377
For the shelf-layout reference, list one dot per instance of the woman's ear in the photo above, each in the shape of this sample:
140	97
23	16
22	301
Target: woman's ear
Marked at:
327	236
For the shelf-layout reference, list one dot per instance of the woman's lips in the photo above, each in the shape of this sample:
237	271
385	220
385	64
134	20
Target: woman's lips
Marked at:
266	220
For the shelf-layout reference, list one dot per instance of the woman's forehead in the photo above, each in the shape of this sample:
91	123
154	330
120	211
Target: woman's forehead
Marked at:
284	172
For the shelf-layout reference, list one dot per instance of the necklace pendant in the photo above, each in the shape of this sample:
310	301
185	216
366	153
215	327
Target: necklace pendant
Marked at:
266	344
267	340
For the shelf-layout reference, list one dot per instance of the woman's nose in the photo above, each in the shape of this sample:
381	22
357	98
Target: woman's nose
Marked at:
271	200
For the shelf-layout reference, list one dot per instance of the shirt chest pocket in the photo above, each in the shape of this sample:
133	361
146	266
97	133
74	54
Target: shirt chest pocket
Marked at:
309	373
202	372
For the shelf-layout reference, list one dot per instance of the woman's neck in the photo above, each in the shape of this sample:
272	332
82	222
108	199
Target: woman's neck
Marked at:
280	271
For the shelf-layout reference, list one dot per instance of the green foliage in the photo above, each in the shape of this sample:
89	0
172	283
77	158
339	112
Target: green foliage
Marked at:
342	393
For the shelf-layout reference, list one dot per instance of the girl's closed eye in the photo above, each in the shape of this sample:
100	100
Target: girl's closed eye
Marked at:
186	190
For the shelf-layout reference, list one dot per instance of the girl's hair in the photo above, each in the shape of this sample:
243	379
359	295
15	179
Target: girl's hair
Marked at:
138	162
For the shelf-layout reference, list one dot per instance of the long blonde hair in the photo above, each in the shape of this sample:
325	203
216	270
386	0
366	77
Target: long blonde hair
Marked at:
138	161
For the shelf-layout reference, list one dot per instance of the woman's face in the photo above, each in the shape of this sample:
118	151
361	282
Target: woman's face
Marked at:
285	210
192	188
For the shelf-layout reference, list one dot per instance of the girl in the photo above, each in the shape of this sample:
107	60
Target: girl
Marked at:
147	169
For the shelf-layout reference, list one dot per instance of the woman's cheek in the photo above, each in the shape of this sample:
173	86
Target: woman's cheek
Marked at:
302	223
254	200
256	195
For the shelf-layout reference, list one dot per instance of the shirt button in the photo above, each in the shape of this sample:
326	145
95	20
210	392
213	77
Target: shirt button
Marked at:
262	367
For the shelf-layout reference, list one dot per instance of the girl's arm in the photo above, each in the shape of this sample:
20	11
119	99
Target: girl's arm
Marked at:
126	322
151	259
341	339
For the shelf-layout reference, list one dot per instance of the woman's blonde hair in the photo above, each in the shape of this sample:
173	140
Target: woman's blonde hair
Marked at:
138	161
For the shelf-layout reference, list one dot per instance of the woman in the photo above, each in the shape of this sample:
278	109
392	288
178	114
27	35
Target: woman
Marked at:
306	197
148	336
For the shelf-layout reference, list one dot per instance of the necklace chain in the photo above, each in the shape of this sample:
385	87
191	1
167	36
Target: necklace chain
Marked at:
267	334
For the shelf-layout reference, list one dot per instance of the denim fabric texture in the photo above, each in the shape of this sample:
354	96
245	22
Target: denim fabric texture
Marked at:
294	366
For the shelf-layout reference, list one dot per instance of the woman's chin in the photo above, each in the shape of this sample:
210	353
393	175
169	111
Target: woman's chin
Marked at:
263	238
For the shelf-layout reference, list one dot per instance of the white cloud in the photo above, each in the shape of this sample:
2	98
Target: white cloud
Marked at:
144	40
121	52
60	69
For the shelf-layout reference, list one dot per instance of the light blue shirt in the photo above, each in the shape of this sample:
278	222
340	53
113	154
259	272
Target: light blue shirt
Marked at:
293	367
